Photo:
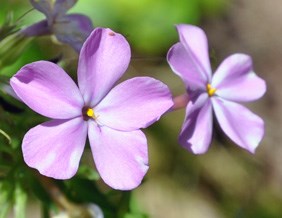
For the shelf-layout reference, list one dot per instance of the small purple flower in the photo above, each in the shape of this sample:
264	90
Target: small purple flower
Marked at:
71	29
112	117
234	81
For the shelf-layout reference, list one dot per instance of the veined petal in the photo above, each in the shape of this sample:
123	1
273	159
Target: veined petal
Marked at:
134	104
121	158
182	64
241	125
235	79
196	131
103	59
55	147
47	89
195	42
73	30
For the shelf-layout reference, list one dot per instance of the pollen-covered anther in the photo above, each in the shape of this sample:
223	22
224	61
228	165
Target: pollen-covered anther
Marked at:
210	90
89	113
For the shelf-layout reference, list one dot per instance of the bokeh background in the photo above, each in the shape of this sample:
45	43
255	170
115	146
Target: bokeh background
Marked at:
226	181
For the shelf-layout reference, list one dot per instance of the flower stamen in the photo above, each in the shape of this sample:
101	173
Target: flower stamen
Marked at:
210	90
89	113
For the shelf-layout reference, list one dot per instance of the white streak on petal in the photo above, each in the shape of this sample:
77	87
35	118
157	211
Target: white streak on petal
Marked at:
47	162
143	163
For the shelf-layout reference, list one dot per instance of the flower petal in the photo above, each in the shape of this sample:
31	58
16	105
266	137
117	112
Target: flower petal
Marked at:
121	158
38	29
235	79
73	30
103	59
195	42
46	7
47	89
241	125
55	147
128	110
183	65
196	132
62	6
83	22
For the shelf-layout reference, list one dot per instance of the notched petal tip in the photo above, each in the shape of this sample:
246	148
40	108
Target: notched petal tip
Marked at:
121	157
195	43
146	102
47	89
196	131
241	125
236	80
193	148
55	147
95	75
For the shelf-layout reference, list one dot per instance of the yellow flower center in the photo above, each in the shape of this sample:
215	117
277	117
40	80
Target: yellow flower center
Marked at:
89	113
210	90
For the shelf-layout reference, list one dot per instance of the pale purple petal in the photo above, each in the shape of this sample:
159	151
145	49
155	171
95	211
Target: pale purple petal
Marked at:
44	6
134	104
54	148
241	125
83	23
121	158
62	6
195	42
47	89
183	65
38	29
235	79
103	59
196	132
73	30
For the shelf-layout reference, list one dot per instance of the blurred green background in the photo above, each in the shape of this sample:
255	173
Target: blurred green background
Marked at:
227	181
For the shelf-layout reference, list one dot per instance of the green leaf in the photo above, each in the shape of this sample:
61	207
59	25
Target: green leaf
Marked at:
6	191
8	27
135	215
12	47
87	172
134	206
20	197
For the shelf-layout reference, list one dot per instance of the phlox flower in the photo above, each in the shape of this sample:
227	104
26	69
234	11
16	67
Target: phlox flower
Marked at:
71	29
111	117
234	81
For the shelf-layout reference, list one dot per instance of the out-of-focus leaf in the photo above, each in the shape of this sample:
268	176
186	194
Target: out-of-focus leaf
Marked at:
134	207
12	47
36	188
85	191
87	172
129	208
20	198
131	215
6	191
8	27
149	25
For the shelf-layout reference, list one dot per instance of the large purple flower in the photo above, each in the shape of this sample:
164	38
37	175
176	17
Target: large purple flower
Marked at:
234	81
110	116
71	29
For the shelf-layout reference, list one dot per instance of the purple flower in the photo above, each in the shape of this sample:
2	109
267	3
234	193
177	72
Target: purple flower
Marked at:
112	117
71	29
234	81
